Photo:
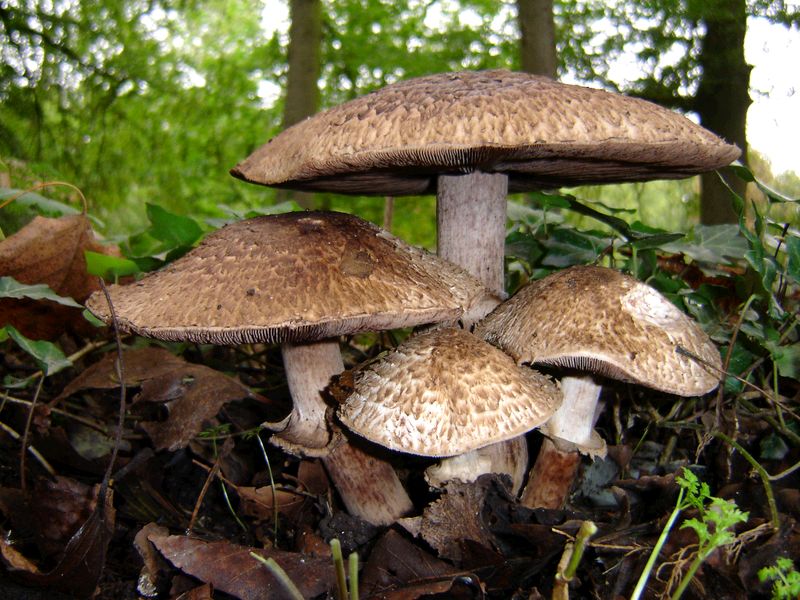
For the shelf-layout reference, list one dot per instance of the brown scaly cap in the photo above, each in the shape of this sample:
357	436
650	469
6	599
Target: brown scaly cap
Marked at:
599	320
542	133
446	392
292	277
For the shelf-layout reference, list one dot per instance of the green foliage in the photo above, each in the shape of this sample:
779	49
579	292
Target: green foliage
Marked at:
787	580
713	525
49	357
109	267
11	288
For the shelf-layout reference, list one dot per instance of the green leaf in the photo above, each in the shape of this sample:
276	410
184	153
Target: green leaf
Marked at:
171	229
793	258
11	288
786	358
711	244
47	355
567	247
109	267
773	447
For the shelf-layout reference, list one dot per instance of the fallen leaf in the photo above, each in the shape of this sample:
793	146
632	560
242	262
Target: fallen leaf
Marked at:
396	563
82	560
193	394
456	517
50	251
231	569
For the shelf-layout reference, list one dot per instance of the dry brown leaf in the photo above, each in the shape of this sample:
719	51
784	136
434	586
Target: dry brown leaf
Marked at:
395	563
82	560
455	518
257	502
50	251
141	364
231	569
194	394
203	392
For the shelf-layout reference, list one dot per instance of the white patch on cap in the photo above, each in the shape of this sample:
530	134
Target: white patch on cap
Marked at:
645	304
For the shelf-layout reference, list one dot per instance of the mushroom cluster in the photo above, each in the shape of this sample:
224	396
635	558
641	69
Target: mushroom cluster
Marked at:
471	137
596	322
301	279
304	278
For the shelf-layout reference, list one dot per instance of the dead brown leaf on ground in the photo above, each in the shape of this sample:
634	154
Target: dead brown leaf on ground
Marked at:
231	569
193	394
398	568
82	561
50	251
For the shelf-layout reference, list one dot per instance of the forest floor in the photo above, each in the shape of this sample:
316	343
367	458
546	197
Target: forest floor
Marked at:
190	495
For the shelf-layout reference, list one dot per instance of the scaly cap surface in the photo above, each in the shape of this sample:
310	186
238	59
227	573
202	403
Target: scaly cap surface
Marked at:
292	277
600	320
446	392
542	133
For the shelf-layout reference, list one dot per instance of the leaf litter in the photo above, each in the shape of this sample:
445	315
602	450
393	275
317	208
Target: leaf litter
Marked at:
189	457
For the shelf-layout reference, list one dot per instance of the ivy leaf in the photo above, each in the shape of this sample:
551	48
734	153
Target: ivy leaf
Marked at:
109	267
793	257
47	355
711	244
786	358
11	288
173	230
567	247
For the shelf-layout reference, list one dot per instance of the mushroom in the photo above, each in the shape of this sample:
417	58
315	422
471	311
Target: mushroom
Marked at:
471	137
301	279
596	320
445	392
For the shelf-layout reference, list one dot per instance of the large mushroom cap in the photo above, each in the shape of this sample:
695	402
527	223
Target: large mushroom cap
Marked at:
542	133
292	277
446	392
597	319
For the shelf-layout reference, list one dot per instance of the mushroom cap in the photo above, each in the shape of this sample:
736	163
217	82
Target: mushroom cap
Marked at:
445	392
541	133
600	320
292	277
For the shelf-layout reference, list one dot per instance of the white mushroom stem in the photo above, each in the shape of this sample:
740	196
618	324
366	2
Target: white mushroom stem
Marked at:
309	368
471	224
368	486
569	430
471	233
509	457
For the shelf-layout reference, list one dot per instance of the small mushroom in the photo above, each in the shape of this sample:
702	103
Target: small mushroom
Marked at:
300	279
596	320
445	392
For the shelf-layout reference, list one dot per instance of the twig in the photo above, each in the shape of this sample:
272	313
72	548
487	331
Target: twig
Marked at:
201	496
43	185
101	495
25	433
36	454
762	472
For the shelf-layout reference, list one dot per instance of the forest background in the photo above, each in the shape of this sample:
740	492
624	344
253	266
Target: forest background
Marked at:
141	102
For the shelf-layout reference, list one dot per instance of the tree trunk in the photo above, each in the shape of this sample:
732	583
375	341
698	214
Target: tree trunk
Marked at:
723	98
302	92
537	37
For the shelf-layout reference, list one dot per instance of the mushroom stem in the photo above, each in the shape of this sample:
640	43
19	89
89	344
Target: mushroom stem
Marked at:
471	233
368	486
510	457
471	224
571	430
309	368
